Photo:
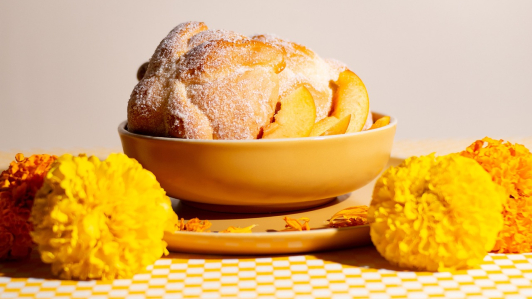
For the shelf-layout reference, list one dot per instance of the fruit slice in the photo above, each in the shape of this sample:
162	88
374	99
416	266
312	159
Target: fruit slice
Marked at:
352	98
339	128
331	126
323	125
381	122
295	118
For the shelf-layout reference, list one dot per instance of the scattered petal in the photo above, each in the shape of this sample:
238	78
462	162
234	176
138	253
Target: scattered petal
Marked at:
194	225
240	230
295	224
352	216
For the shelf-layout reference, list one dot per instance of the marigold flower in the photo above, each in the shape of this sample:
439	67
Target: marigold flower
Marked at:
100	219
435	213
510	165
18	185
352	216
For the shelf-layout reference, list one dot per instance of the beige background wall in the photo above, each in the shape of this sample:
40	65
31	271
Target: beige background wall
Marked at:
444	68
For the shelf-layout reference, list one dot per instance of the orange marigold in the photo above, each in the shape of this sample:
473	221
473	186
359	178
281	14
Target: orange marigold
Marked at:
18	185
510	165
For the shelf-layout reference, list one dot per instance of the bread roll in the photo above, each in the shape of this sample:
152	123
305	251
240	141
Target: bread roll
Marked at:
207	84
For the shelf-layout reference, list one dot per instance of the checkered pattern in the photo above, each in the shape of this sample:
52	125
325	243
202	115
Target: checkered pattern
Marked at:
357	272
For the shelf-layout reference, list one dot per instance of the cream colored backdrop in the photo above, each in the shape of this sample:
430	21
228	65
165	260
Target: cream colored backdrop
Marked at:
444	68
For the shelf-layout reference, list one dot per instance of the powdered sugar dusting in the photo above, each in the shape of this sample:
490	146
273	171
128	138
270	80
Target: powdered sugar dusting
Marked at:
186	119
148	101
335	68
206	84
210	35
172	47
239	98
303	66
215	58
197	65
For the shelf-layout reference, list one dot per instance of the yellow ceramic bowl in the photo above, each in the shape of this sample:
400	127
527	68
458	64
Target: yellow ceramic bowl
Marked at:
262	175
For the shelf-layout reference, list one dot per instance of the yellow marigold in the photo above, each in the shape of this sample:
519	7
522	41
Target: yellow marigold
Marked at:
18	185
100	219
433	214
510	165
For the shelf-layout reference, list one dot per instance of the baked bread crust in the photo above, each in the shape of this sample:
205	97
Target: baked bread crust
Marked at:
207	84
303	66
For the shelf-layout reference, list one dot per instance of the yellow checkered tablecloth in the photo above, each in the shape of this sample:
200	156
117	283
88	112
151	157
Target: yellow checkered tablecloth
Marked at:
352	273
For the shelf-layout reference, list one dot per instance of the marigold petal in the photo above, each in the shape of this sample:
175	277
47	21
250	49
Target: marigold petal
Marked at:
352	216
194	225
295	224
241	230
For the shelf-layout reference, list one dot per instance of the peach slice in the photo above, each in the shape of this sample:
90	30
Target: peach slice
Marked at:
323	125
381	122
295	118
331	126
352	98
338	128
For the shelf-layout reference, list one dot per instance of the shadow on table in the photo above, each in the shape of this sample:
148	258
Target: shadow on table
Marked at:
31	267
363	257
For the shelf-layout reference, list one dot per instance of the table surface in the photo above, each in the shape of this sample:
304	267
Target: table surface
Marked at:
356	272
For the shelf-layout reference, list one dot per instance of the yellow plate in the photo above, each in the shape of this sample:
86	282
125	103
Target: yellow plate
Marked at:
266	238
